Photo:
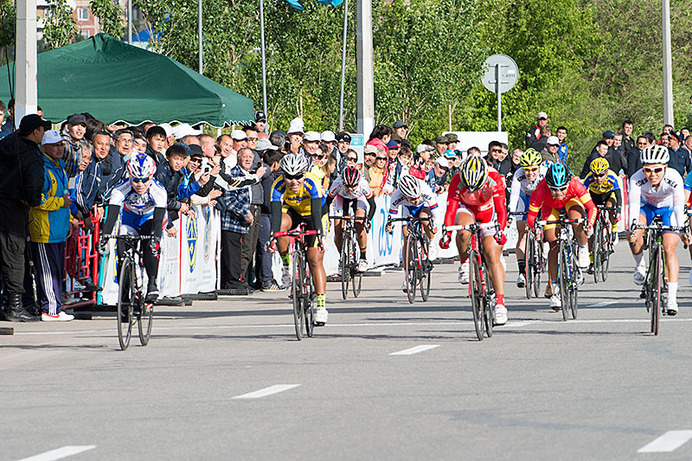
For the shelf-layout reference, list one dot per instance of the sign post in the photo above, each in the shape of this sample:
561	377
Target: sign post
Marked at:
501	74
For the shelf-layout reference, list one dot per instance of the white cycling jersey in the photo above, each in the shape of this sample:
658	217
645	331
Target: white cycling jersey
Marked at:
428	199
124	195
670	193
338	188
520	184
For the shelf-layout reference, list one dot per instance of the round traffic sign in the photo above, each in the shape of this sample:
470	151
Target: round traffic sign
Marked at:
502	68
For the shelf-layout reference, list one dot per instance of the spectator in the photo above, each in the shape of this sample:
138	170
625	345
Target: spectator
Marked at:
499	158
379	137
440	169
627	141
140	144
170	137
453	141
618	149
423	154
399	131
319	165
369	153
534	133
73	135
343	144
688	143
311	144
295	132
252	138
278	138
271	156
49	224
668	128
392	152
634	156
2	118
378	173
562	149
156	144
602	151
7	127
260	122
400	167
21	183
679	157
663	139
516	161
541	142
441	145
206	142
124	144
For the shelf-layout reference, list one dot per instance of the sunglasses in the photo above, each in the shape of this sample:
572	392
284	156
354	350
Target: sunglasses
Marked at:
294	177
557	189
318	157
530	169
381	158
641	144
253	139
653	170
496	150
600	175
139	179
352	159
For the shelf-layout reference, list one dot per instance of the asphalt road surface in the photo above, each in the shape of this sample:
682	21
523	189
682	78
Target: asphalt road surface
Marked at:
227	379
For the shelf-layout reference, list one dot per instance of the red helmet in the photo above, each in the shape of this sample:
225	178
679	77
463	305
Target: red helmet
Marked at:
351	176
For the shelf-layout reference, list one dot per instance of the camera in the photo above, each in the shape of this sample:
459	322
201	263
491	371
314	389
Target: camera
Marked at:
205	167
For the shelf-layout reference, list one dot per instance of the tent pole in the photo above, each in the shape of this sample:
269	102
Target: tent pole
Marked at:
129	22
26	61
199	28
264	62
343	69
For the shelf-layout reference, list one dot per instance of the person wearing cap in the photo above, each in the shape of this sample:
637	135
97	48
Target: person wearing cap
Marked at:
343	144
369	155
550	152
602	150
679	158
441	145
534	133
399	131
73	134
310	145
49	225
260	121
453	141
21	183
440	169
561	133
295	134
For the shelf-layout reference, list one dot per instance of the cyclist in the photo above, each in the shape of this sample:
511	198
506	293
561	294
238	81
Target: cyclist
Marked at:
560	190
525	181
657	190
351	191
603	186
140	202
477	195
297	197
417	200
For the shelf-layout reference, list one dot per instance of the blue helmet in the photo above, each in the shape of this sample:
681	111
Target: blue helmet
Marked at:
558	176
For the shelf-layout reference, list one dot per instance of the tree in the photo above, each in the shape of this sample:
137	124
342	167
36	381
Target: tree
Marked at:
61	27
8	19
110	17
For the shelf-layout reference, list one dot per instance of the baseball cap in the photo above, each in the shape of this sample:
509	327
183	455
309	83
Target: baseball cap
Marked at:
608	134
278	137
400	124
51	137
32	121
553	141
167	128
328	136
442	162
678	135
542	115
184	129
260	116
392	144
369	149
296	126
265	144
311	136
441	139
452	137
450	154
423	148
343	137
238	135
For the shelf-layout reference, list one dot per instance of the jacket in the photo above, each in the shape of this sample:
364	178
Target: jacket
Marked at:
49	222
88	184
21	182
237	207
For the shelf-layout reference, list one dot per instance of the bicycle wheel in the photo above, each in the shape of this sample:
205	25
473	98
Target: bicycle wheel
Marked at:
410	269
529	263
308	300
356	276
144	318
424	270
476	294
597	249
345	264
537	266
656	290
563	268
297	291
574	271
126	299
488	307
606	251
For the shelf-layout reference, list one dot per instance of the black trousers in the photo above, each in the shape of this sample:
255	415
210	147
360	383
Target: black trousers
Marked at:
236	251
12	248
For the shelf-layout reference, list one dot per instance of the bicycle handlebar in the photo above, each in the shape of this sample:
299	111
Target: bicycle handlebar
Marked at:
565	221
635	226
129	237
295	233
409	219
354	218
470	227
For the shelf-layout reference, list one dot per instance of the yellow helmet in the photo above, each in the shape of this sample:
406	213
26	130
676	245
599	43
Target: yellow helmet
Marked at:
599	165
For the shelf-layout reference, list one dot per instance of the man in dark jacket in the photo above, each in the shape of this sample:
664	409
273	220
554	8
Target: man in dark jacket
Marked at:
602	150
634	156
21	182
534	133
679	158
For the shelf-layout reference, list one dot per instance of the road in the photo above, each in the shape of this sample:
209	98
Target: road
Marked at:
227	379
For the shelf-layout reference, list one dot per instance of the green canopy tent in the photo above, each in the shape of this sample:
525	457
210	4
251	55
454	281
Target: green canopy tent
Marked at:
115	81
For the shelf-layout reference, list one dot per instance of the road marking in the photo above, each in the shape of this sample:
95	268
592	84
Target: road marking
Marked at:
60	453
670	441
603	304
415	350
267	391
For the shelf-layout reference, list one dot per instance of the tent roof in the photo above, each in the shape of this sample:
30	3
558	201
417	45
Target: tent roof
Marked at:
116	81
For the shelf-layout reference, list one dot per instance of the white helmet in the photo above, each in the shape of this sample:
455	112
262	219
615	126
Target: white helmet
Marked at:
409	186
655	154
294	164
141	166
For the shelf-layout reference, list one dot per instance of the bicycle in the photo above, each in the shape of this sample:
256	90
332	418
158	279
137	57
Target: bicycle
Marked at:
569	272
350	253
132	307
602	244
481	290
416	263
302	289
533	255
655	282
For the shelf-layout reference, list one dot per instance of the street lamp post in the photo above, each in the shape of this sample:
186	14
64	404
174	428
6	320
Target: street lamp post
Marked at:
667	66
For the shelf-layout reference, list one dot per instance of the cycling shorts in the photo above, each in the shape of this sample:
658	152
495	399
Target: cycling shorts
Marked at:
552	215
522	206
601	199
361	204
132	223
485	216
297	219
666	213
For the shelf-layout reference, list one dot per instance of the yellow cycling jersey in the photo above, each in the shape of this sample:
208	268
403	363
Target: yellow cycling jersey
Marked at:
300	201
609	185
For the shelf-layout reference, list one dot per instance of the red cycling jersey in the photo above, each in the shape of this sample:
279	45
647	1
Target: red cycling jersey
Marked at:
484	203
542	198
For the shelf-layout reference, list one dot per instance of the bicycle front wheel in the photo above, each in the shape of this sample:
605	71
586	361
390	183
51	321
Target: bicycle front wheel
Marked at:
606	251
297	270
357	277
410	267
656	290
488	307
476	294
597	249
308	301
345	264
126	299
537	266
573	284
424	269
144	318
529	264
563	267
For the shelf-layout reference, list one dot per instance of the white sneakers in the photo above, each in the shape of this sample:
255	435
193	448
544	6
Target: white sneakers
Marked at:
321	316
521	281
671	305
639	275
555	302
286	276
61	317
500	314
403	286
583	257
362	265
464	273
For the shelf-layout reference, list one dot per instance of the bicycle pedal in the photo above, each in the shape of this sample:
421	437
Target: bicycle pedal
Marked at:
642	295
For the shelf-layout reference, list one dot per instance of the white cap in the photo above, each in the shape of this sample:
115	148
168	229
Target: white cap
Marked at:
238	135
296	126
328	136
311	136
167	128
423	148
51	137
553	140
184	129
442	162
265	144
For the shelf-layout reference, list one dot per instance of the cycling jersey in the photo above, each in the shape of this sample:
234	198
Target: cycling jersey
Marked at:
522	189
667	199
576	194
300	200
610	184
484	204
428	199
142	205
361	197
362	190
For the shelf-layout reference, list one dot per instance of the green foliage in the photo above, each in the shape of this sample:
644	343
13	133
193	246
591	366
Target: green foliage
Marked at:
8	18
61	27
111	17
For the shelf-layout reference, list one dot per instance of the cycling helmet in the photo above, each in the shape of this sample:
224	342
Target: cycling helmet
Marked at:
351	176
294	164
530	158
409	186
558	176
655	154
599	165
141	166
474	172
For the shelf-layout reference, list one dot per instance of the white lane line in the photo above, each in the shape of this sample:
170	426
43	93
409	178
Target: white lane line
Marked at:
60	453
267	391
603	304
416	350
670	441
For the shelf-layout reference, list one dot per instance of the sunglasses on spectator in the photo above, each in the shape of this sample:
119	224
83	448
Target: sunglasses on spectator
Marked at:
381	158
318	156
641	144
352	159
294	177
557	189
139	179
369	154
653	170
253	139
496	150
